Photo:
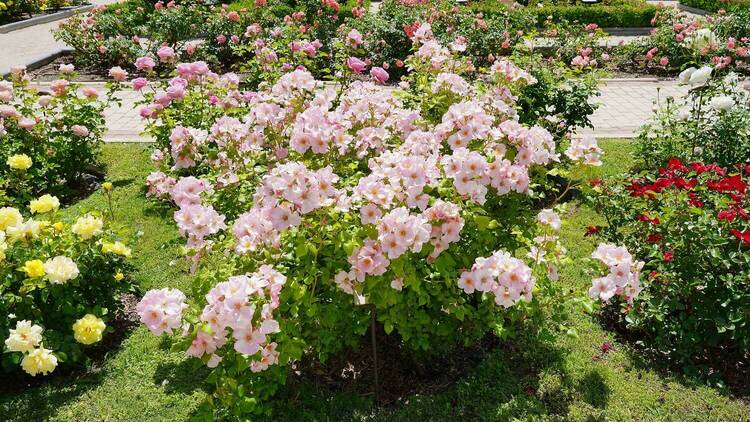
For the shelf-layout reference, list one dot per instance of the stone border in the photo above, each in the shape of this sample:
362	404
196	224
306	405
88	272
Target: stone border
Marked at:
628	32
693	10
46	18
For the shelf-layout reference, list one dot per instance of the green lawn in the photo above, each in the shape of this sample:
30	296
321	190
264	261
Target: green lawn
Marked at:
144	381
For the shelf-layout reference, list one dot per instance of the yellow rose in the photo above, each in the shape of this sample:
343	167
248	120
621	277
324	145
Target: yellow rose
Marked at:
39	361
33	268
9	217
28	230
119	276
116	248
107	186
89	329
45	203
58	226
87	226
19	162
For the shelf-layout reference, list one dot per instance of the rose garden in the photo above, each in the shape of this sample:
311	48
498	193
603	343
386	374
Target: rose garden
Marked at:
356	210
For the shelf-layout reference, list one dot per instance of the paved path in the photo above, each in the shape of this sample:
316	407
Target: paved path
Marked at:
626	104
28	45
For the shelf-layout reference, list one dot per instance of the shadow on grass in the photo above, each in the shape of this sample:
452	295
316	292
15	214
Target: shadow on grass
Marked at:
508	382
42	401
725	370
183	377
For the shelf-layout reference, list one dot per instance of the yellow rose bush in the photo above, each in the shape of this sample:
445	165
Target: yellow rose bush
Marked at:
60	285
49	140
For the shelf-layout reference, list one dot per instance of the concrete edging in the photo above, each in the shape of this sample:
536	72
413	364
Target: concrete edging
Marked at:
693	10
628	32
38	20
43	60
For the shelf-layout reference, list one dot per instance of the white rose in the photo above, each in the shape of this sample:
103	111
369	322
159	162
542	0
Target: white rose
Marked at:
24	338
722	102
685	75
701	39
683	114
60	269
700	76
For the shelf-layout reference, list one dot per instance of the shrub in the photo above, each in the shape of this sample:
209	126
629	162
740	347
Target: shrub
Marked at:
717	5
387	33
610	14
414	210
192	30
710	124
49	141
680	41
60	286
690	225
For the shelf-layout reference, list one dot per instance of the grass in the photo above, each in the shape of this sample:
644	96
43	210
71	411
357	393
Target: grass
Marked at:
561	380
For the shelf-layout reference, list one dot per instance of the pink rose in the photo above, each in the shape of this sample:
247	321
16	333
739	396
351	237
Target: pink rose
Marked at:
80	131
119	74
379	74
355	64
146	64
139	83
165	54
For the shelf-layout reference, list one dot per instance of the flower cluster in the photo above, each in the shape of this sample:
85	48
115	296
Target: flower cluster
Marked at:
49	141
358	196
659	218
624	274
506	277
81	265
161	310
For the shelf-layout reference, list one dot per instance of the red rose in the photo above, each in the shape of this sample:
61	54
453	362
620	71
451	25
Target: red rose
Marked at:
727	215
591	230
653	238
744	236
668	256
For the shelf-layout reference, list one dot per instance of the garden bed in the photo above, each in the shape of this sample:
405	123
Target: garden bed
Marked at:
25	21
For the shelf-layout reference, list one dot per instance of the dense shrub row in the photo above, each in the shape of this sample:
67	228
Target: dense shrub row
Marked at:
609	14
680	41
717	5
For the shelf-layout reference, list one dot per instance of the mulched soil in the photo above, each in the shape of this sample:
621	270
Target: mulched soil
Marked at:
399	374
51	71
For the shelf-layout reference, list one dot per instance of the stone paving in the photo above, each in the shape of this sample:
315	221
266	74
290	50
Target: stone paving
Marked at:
625	105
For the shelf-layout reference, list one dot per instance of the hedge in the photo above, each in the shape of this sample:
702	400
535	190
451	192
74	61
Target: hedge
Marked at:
618	13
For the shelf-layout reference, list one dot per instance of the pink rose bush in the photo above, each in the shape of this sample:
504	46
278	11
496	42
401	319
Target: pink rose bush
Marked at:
681	40
50	137
308	209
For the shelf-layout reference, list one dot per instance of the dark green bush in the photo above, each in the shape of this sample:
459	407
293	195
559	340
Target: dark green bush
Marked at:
614	13
716	5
